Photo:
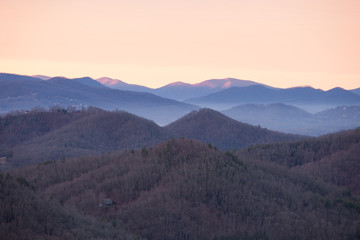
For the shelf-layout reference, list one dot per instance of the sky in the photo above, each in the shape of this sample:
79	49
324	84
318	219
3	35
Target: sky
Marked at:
282	43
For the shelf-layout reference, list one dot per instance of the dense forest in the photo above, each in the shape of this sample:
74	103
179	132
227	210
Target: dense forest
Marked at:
185	189
27	214
334	158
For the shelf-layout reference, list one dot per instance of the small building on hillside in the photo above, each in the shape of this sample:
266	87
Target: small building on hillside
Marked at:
108	202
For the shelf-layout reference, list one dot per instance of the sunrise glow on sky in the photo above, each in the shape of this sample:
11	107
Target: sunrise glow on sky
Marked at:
283	43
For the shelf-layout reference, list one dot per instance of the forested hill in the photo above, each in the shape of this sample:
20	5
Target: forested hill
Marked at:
184	189
210	126
334	158
27	214
39	135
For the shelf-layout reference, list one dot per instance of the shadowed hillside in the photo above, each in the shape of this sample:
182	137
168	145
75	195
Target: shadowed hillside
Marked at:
184	189
213	127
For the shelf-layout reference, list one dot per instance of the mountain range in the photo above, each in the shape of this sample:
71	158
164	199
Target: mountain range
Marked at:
245	101
305	97
21	92
290	119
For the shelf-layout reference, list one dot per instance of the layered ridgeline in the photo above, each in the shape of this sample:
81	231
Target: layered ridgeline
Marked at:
24	93
39	135
290	119
184	189
246	101
307	98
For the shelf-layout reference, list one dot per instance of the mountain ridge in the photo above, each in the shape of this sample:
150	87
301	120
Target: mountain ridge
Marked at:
257	94
26	92
291	119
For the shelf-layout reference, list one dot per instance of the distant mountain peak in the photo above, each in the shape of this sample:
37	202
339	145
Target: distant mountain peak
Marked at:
226	83
109	81
42	77
178	84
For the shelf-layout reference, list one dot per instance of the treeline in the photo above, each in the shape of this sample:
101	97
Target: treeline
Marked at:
184	189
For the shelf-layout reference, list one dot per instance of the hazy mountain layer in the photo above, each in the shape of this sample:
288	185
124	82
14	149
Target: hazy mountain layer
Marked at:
19	92
290	119
308	98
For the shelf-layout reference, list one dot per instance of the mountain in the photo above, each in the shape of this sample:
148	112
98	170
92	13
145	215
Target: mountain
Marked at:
181	91
87	81
304	97
118	84
39	136
209	126
42	77
15	77
356	91
184	189
290	119
19	92
276	116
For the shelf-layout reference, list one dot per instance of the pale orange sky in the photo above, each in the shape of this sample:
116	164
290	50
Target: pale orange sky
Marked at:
283	43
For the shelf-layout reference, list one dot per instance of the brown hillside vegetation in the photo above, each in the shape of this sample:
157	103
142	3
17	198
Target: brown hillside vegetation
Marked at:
335	158
26	214
42	135
184	189
209	126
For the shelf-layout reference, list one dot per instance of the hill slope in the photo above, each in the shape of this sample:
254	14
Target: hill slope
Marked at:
44	136
333	158
209	126
27	214
183	189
